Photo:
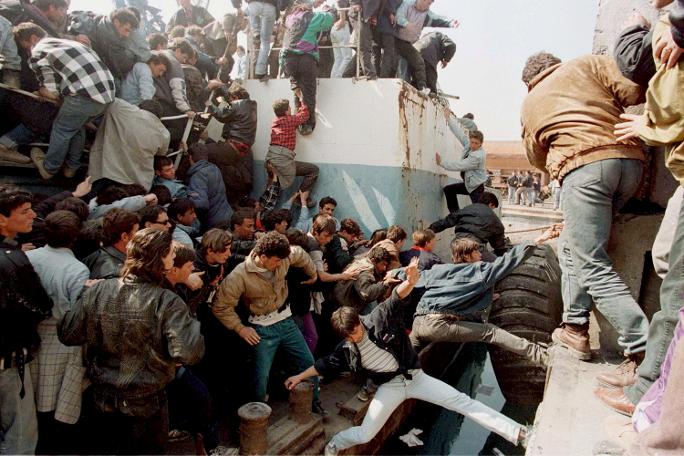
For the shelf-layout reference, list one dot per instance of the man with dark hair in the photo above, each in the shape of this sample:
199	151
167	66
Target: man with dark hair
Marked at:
133	321
242	225
182	212
234	155
118	228
165	174
74	74
110	36
206	189
154	217
189	14
568	120
377	346
259	283
170	88
470	162
453	296
277	220
435	48
157	41
58	368
478	221
373	281
23	305
139	82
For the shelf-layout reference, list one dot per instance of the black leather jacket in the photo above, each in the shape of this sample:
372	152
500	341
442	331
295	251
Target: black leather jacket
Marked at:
240	118
23	301
105	263
135	332
477	220
385	327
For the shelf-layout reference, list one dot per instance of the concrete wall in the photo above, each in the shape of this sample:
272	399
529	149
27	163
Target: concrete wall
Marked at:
375	143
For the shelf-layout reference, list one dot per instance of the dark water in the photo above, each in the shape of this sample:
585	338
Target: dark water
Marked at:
449	433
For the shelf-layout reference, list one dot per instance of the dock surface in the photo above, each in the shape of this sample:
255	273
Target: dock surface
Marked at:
571	420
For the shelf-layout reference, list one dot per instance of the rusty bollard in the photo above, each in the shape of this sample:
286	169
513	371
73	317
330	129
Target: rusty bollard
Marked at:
254	428
300	402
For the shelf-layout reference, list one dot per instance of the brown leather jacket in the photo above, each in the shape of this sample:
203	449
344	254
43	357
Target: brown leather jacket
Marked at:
570	112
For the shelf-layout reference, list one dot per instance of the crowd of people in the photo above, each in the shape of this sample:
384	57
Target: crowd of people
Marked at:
158	296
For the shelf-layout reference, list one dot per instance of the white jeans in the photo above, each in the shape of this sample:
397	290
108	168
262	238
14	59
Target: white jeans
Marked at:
425	388
342	55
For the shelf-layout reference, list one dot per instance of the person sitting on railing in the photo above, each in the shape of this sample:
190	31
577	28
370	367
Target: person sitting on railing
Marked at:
412	16
300	54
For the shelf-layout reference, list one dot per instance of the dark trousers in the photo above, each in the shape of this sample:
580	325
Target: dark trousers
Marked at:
190	407
364	35
431	77
236	170
384	54
302	71
113	432
452	191
415	62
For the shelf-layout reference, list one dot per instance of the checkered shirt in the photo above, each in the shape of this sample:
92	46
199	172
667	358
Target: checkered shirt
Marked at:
284	129
69	68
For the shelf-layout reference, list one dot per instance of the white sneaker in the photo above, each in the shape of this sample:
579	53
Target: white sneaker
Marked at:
330	449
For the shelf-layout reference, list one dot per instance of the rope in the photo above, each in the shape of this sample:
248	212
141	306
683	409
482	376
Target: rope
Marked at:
529	230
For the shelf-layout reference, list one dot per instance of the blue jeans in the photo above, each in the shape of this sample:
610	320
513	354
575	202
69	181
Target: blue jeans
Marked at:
663	323
8	47
18	419
283	334
68	133
592	194
262	16
18	136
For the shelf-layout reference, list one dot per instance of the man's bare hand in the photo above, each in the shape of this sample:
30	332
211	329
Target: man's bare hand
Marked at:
298	93
190	114
392	19
293	381
390	279
630	128
551	233
412	273
667	50
83	188
455	24
444	64
249	335
438	159
83	39
637	19
27	246
151	199
311	281
350	275
194	281
48	94
447	113
215	83
90	282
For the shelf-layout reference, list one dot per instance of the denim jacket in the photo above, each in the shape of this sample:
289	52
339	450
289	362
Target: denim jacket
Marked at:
465	288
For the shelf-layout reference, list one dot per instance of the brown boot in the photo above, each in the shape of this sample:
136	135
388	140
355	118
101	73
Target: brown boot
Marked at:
575	338
616	400
624	375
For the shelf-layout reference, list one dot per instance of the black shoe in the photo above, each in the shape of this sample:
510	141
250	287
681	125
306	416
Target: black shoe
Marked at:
305	130
318	409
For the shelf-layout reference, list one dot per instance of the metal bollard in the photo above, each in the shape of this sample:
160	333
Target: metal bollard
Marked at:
254	428
300	402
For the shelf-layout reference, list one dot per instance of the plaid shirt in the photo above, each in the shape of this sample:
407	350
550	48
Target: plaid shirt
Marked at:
69	68
284	129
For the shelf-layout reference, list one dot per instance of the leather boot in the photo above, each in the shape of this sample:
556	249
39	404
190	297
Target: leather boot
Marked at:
616	400
575	338
624	375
